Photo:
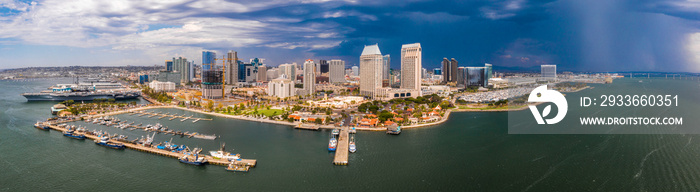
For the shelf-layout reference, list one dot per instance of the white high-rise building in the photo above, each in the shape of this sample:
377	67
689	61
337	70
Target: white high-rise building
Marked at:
411	65
549	72
289	70
386	67
281	87
355	71
231	69
370	70
309	77
336	73
158	86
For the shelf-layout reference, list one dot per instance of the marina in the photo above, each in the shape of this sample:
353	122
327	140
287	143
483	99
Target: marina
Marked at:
119	144
341	154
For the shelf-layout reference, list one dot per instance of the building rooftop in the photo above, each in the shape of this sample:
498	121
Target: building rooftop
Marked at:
371	50
410	45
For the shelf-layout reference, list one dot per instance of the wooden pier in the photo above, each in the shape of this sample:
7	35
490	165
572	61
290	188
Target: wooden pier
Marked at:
210	159
341	152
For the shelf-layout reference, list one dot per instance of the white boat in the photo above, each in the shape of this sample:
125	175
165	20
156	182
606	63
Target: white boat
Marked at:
221	154
352	147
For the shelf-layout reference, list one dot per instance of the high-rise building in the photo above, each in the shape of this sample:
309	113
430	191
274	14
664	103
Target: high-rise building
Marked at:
453	70
250	73
411	64
437	71
549	72
168	65
281	87
309	77
355	71
424	73
446	67
289	70
231	74
489	70
273	73
185	68
386	67
336	72
208	58
262	73
370	71
212	84
475	76
460	76
323	66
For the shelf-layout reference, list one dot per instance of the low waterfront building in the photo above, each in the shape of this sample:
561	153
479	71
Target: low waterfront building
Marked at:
159	86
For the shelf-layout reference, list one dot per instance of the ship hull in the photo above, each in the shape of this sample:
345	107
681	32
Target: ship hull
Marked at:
49	97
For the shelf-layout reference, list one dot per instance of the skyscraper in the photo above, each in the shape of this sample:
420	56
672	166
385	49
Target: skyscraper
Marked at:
262	73
168	65
289	70
386	67
411	64
549	72
489	70
453	70
336	72
231	74
208	58
309	77
475	76
323	66
355	71
185	68
445	68
370	70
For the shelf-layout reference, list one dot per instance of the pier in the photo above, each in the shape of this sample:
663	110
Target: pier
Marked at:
248	163
174	116
307	127
341	152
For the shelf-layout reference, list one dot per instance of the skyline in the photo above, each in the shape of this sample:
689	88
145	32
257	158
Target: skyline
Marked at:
578	36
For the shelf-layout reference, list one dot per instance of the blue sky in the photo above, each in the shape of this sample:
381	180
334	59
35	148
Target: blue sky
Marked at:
591	35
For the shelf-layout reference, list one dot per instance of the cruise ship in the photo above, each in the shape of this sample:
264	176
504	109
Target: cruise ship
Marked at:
84	92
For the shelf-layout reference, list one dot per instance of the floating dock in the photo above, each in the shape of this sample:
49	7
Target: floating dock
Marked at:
174	116
341	152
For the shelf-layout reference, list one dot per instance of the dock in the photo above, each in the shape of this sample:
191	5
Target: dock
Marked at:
161	152
307	127
341	152
173	116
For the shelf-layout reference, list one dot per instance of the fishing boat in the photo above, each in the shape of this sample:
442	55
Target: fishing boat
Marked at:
41	126
336	132
193	159
104	141
332	144
352	148
221	154
72	134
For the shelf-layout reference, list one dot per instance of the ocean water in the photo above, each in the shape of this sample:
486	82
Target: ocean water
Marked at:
470	152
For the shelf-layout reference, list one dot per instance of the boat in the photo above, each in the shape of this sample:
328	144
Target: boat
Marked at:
194	159
352	130
72	134
352	148
104	141
233	166
83	92
221	154
332	144
336	132
41	126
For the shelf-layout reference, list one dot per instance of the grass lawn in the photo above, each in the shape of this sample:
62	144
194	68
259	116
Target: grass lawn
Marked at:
270	112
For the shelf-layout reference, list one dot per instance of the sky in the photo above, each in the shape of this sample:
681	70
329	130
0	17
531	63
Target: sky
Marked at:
576	35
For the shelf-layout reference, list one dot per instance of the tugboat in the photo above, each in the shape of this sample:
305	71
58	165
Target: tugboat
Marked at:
352	148
104	141
41	126
71	133
221	154
332	144
194	159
